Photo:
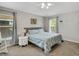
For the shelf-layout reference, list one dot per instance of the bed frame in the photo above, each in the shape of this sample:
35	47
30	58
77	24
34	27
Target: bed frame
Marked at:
46	50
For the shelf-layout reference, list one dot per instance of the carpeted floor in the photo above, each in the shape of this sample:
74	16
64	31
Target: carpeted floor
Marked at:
65	49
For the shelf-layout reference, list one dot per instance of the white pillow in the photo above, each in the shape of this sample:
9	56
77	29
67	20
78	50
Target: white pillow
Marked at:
33	31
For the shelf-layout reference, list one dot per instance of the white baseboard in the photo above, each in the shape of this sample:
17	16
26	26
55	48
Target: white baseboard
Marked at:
71	40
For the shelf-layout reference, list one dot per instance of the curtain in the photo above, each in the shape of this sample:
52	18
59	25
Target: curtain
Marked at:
15	38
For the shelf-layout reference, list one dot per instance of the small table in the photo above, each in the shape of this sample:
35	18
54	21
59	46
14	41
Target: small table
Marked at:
23	41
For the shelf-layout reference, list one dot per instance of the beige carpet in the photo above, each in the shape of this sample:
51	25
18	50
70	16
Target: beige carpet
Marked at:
64	49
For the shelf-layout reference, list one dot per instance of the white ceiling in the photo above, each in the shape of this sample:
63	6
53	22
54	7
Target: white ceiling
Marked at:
34	7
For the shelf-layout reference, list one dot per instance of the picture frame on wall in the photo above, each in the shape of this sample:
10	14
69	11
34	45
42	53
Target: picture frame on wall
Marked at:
33	21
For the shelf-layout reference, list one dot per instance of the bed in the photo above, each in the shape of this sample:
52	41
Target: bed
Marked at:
44	39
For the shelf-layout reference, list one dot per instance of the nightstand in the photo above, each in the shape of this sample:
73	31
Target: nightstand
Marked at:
23	41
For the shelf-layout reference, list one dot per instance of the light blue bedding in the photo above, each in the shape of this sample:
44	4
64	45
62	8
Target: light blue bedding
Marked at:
40	38
45	40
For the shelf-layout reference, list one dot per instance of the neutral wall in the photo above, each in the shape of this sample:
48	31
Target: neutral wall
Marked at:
23	20
69	28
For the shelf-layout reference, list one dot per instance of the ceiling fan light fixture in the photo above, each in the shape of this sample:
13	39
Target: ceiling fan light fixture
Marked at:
45	5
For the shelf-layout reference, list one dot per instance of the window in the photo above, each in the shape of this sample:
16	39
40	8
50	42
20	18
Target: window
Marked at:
6	24
53	26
